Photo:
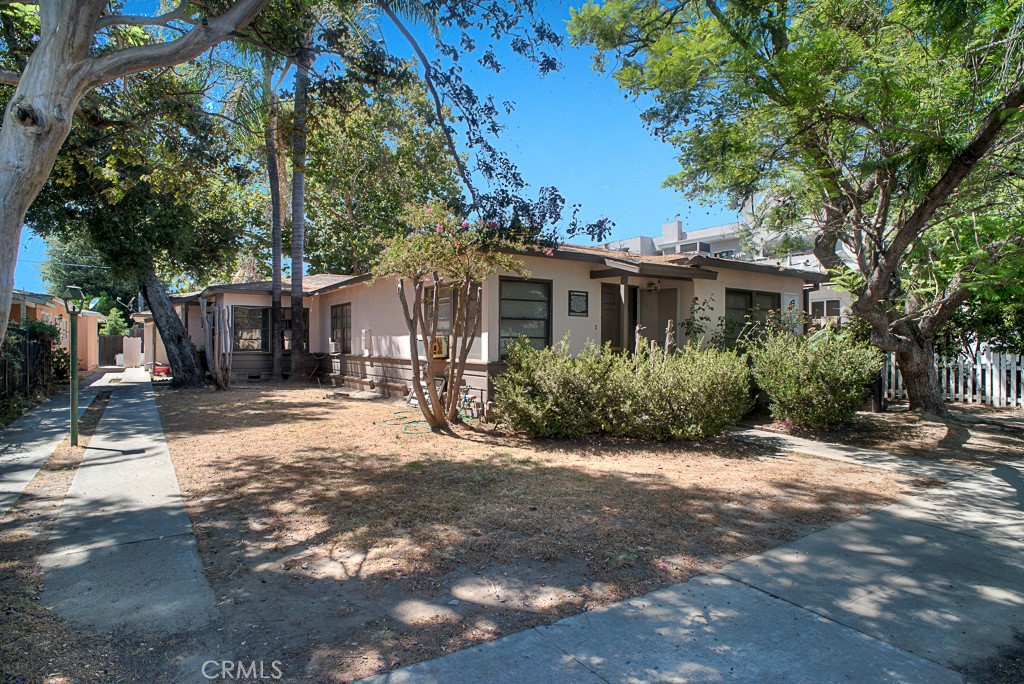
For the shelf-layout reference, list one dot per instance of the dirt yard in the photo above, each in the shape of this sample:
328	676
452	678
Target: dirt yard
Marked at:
977	436
343	541
36	645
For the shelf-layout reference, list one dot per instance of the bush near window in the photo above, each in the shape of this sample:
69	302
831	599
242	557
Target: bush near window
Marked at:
686	394
817	380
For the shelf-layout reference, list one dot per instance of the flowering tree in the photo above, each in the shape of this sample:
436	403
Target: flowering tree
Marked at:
440	264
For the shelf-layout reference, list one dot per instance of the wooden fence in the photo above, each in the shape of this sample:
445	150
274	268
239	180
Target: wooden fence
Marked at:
989	378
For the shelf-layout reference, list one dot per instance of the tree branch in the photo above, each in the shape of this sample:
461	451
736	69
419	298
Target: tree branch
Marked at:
10	77
109	67
428	78
959	168
177	14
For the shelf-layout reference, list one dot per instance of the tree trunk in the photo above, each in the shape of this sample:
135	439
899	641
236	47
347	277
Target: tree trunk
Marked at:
277	226
36	123
921	379
298	336
185	367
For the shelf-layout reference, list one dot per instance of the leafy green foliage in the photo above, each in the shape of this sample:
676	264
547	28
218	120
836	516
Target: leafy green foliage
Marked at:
116	325
372	151
814	381
434	240
996	322
687	394
149	180
72	260
890	129
551	394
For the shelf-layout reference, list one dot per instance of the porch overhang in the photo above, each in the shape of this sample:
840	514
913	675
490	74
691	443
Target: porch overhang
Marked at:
615	268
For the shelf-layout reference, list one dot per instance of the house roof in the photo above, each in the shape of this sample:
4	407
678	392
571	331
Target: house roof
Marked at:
737	264
700	264
34	297
311	285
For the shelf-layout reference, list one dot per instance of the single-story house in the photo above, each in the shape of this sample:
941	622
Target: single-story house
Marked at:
33	306
357	335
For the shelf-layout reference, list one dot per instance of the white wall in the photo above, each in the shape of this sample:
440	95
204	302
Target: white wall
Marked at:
742	280
375	307
564	276
825	293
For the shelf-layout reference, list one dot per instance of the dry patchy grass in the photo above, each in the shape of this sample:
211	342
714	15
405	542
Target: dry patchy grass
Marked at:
350	547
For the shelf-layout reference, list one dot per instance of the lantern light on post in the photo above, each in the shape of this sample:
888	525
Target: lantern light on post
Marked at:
74	302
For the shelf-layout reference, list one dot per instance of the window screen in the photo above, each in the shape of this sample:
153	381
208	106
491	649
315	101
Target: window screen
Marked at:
525	309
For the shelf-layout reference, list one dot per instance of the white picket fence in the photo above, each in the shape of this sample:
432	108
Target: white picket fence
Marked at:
989	378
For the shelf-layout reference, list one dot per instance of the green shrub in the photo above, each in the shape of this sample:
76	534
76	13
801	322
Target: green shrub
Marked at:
814	381
549	392
688	394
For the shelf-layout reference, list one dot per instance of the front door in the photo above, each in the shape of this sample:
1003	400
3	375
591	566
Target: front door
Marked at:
657	310
611	316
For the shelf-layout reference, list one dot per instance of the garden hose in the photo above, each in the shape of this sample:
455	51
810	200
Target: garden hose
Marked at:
410	426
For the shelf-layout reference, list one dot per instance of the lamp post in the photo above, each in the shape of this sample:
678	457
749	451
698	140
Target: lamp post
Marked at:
74	302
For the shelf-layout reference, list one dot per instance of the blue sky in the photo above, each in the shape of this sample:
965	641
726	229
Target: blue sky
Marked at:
571	129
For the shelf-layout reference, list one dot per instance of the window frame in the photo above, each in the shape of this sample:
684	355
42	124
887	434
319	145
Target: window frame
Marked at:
549	321
286	328
346	330
264	329
752	296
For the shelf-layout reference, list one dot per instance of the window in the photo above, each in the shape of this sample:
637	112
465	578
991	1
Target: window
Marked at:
341	327
826	309
743	306
727	254
444	309
524	309
286	328
251	328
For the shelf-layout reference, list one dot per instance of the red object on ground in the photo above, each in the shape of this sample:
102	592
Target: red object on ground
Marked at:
159	369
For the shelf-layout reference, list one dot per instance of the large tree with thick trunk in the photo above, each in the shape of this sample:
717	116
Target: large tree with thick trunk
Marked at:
149	179
82	45
891	128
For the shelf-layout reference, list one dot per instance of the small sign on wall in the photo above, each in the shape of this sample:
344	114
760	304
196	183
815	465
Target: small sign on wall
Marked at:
579	303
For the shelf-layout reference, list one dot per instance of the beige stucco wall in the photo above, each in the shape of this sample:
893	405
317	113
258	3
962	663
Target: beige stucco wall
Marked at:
564	276
148	345
825	293
376	316
714	290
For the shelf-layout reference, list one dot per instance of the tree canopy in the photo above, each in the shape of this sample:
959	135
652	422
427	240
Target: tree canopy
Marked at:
373	150
892	128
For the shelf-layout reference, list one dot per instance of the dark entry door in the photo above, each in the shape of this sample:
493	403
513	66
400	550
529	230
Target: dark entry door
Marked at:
611	315
110	347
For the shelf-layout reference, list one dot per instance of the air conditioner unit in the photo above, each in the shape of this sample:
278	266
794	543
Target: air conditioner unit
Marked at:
439	350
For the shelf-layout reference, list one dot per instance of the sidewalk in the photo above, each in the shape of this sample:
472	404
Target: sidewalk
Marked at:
29	441
906	593
122	554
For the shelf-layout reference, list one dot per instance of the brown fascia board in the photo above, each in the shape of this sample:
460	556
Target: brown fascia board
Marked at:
654	270
285	292
807	276
354	280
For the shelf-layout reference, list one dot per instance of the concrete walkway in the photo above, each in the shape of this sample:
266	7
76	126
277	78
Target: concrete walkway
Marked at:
909	465
903	594
122	553
29	441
